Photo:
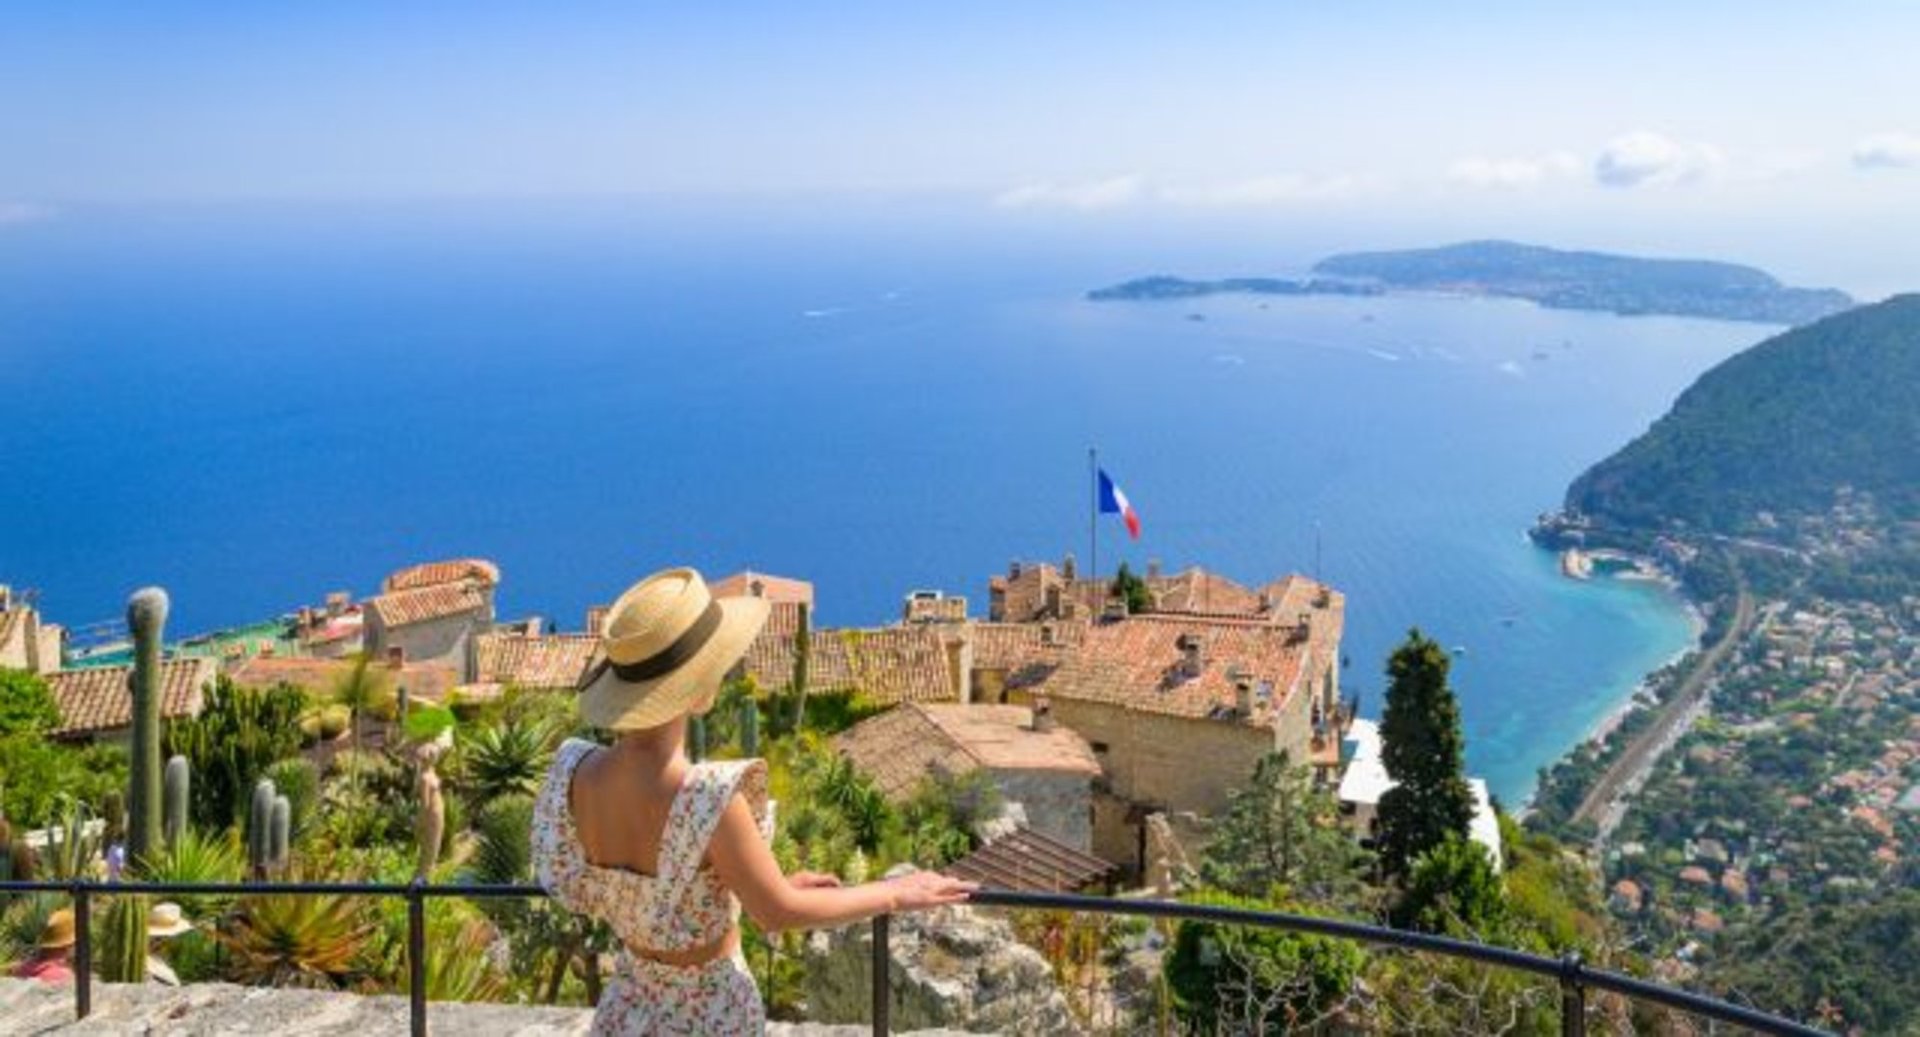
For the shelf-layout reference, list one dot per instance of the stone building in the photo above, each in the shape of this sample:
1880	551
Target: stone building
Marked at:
26	641
1045	768
432	612
97	704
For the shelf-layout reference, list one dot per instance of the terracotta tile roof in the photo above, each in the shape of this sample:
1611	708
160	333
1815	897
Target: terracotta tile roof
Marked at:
1199	591
548	662
428	681
433	574
405	607
1028	861
901	746
1038	591
97	699
1137	663
887	664
782	589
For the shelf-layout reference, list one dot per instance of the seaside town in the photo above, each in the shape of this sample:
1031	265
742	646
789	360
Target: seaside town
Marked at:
1136	736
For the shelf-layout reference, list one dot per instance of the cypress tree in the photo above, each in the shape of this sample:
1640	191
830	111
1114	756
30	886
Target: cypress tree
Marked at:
1425	754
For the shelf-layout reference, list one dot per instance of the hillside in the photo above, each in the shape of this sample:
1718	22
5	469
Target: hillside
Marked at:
1626	285
1779	428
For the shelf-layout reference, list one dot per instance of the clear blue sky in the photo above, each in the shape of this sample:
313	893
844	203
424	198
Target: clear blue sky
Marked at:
1633	114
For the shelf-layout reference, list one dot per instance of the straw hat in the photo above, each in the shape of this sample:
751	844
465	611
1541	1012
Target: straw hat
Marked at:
59	930
666	646
166	919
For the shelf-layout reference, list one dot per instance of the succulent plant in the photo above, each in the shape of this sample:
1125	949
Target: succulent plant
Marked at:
123	946
749	727
259	825
279	829
147	618
174	793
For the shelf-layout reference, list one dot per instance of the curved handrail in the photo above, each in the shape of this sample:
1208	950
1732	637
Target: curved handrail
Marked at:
1573	976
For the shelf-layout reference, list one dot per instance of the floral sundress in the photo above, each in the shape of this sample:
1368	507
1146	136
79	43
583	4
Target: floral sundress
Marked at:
681	908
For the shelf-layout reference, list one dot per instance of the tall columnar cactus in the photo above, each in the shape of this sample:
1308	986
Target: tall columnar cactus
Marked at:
123	951
279	832
259	829
175	790
697	738
147	618
749	727
401	700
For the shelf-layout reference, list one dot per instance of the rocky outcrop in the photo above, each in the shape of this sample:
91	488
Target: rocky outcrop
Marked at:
225	1010
956	967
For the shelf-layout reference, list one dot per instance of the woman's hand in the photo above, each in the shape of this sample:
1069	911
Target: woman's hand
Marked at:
919	890
813	880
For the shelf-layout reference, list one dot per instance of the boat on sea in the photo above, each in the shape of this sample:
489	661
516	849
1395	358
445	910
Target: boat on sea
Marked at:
1459	649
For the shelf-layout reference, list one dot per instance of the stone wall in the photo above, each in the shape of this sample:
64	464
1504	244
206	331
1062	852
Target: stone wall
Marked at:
1167	763
958	967
1056	804
447	640
225	1010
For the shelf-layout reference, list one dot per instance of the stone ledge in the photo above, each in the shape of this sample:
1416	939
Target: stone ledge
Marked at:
225	1010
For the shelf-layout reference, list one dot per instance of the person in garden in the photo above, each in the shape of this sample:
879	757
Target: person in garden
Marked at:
666	851
52	959
164	922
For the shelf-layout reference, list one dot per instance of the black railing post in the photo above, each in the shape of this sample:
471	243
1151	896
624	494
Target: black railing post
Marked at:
82	950
882	978
417	957
1573	997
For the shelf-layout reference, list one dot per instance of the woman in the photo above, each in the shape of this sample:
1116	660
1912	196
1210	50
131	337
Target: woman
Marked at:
52	960
667	852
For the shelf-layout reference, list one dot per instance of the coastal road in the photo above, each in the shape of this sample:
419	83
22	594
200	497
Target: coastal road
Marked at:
1629	770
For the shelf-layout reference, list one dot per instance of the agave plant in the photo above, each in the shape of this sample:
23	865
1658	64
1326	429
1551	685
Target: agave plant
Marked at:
460	968
302	941
504	852
507	758
199	858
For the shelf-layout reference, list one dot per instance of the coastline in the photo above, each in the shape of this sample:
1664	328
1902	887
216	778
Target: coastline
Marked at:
1642	569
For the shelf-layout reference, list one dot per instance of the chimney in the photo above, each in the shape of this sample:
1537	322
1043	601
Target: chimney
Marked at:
396	657
757	588
1242	693
1266	601
1042	714
1153	568
596	620
1067	567
960	665
336	604
1013	570
1192	655
1053	600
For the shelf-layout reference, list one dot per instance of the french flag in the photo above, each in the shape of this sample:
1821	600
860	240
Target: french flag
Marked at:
1114	502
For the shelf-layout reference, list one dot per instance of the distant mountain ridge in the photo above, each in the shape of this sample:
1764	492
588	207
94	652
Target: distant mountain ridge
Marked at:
1778	428
1626	285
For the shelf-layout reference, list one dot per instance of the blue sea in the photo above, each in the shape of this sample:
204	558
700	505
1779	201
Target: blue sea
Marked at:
254	406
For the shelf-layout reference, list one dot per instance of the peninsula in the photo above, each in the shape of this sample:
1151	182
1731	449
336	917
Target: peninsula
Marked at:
1625	285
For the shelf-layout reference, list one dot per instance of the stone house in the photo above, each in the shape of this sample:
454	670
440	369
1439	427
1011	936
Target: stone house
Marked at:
96	703
27	642
432	613
1045	768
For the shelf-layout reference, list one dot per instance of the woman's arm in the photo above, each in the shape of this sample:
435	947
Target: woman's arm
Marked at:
745	864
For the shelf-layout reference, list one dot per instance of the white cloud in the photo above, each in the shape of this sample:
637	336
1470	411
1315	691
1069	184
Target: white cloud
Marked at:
1888	151
1096	194
1513	173
1280	189
1646	159
23	212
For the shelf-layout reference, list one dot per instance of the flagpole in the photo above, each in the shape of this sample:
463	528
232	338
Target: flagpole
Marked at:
1093	515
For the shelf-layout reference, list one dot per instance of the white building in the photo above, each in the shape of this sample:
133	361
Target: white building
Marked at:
1365	780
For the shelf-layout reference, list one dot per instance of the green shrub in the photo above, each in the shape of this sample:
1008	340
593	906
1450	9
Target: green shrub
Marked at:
26	704
505	850
1243	979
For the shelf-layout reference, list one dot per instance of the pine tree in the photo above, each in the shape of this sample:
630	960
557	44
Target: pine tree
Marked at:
1132	590
1425	754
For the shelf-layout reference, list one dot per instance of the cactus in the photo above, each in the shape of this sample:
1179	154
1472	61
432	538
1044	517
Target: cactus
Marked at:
259	825
123	946
401	700
749	727
279	829
173	799
146	617
113	810
697	738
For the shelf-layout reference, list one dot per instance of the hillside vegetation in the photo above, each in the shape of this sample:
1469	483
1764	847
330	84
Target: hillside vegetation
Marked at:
1779	428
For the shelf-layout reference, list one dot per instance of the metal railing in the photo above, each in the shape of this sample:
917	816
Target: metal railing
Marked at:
1574	977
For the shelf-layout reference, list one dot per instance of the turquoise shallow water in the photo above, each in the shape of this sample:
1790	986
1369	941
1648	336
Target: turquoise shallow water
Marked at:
254	409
